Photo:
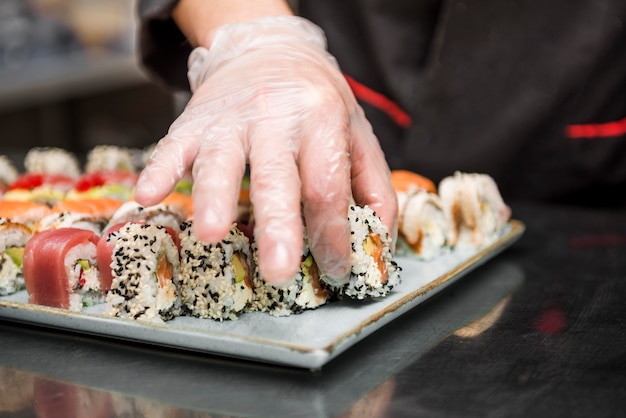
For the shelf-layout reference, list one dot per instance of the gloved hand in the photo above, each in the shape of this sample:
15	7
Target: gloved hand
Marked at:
268	94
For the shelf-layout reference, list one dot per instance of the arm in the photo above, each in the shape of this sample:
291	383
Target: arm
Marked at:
199	19
266	93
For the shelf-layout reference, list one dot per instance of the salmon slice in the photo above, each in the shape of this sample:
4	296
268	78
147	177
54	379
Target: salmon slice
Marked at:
103	207
403	180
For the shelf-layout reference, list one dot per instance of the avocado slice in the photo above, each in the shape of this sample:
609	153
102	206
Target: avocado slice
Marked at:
84	264
16	254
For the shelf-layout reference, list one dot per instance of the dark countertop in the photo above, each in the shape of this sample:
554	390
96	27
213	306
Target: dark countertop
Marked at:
538	331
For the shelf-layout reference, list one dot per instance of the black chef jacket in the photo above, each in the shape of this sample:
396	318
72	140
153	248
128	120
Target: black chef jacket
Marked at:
531	92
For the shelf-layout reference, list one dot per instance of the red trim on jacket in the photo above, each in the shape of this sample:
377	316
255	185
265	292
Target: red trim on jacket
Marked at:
379	101
597	130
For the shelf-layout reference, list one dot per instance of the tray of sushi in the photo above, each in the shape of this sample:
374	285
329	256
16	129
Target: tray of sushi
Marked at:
79	254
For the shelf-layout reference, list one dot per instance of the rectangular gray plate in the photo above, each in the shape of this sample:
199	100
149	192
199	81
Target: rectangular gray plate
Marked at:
308	340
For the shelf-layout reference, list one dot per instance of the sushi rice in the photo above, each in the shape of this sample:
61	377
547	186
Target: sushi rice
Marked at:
71	220
423	227
8	172
215	278
160	214
83	277
303	292
475	208
52	160
374	273
110	158
146	271
13	238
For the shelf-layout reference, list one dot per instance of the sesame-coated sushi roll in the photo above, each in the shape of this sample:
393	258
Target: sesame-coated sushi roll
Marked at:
13	238
374	273
145	271
303	292
60	269
215	278
110	158
52	160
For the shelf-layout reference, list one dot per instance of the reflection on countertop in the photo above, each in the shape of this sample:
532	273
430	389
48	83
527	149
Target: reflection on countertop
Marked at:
83	370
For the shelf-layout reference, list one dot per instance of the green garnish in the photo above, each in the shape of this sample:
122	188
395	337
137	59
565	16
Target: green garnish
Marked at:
84	264
16	254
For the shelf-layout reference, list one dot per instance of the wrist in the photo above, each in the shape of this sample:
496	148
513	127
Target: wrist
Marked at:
277	34
199	20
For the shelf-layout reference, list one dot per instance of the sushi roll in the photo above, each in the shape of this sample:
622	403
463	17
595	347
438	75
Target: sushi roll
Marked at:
145	271
52	160
13	238
303	292
404	181
89	214
60	269
216	279
166	214
103	207
179	203
245	214
117	185
26	212
50	173
40	187
8	173
475	209
85	221
110	158
423	227
374	273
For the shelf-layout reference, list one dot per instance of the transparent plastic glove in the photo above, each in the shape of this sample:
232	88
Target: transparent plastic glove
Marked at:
268	94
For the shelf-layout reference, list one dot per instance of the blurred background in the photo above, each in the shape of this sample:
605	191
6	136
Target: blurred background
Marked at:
69	78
